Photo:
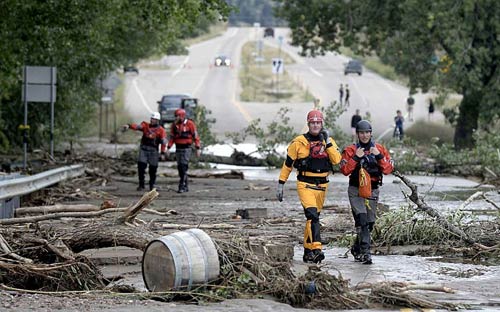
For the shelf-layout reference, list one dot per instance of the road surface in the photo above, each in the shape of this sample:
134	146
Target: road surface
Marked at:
218	87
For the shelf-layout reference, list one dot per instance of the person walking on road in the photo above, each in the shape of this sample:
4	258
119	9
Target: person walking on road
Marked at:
312	154
153	135
347	95
341	94
431	109
398	125
410	101
183	133
364	162
354	121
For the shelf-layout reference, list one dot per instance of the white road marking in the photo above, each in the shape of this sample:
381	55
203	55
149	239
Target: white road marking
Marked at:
178	70
317	73
143	100
353	83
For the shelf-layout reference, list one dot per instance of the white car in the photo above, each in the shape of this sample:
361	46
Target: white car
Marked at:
222	60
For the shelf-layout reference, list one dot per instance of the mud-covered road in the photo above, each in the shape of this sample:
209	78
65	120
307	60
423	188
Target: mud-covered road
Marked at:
213	201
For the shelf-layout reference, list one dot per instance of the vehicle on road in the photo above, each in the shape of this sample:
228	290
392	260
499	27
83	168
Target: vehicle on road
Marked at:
353	67
170	102
269	32
130	69
222	60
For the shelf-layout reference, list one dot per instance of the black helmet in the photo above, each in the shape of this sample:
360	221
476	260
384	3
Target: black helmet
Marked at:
363	125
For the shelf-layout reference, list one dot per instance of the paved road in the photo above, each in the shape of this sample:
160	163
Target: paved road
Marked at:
218	88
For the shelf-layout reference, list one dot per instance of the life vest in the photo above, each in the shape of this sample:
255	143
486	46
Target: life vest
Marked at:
317	161
152	135
370	164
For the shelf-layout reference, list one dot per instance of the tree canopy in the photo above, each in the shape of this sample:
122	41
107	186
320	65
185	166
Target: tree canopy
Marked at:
448	44
84	40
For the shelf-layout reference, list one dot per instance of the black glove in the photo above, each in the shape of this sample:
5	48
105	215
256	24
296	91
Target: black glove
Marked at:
279	192
326	135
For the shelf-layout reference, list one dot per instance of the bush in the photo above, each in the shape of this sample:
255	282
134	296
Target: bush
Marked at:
424	132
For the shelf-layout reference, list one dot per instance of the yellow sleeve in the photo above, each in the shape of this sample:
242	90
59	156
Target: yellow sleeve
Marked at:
291	156
333	152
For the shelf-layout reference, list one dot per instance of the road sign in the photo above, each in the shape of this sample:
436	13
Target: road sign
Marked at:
278	65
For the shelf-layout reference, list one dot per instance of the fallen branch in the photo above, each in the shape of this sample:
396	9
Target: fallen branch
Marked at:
8	251
90	214
55	208
219	226
133	211
423	206
470	199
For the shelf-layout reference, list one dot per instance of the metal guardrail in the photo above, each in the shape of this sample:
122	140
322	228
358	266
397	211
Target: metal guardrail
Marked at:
28	184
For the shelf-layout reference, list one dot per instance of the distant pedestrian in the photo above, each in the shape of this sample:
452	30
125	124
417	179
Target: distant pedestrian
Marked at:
316	103
354	121
431	109
347	95
341	94
410	101
398	125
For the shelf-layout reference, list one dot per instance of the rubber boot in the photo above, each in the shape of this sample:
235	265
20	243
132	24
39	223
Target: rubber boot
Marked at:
318	256
152	177
308	256
141	168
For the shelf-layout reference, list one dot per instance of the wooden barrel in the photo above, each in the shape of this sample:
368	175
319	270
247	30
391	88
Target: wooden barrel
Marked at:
180	260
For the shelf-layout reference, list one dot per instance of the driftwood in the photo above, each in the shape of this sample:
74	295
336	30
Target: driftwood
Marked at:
423	206
55	208
85	211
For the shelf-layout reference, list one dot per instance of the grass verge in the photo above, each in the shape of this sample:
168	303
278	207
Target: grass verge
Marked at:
258	82
374	64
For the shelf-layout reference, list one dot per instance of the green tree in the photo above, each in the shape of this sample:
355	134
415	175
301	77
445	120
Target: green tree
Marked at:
84	40
449	44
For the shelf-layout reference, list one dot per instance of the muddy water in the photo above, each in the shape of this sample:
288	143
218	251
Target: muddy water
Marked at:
478	285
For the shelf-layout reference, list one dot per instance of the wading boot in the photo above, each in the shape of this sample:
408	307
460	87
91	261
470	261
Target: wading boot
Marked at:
356	253
366	259
318	256
308	257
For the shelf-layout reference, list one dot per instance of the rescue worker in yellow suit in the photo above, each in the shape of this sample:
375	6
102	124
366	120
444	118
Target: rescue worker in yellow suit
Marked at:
313	155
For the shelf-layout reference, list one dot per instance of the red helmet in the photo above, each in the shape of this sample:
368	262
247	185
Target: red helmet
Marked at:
180	113
315	115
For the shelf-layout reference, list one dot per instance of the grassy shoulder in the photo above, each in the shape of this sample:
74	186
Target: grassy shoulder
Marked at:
258	82
374	64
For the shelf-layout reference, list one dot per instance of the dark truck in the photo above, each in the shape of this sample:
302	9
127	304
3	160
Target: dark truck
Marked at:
171	102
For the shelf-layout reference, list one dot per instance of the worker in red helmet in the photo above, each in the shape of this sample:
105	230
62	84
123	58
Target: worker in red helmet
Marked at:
153	135
183	133
312	154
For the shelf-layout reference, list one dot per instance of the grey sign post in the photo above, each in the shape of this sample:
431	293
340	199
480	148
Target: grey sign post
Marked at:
39	85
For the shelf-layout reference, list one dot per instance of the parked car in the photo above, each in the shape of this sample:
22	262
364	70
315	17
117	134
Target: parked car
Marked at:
269	32
354	67
222	60
130	69
169	103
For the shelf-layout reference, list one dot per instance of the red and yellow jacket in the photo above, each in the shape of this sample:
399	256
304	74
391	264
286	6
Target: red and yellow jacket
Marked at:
375	165
151	135
183	134
299	149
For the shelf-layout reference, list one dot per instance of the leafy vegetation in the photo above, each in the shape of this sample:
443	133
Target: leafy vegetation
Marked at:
84	40
254	11
406	226
258	82
439	43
